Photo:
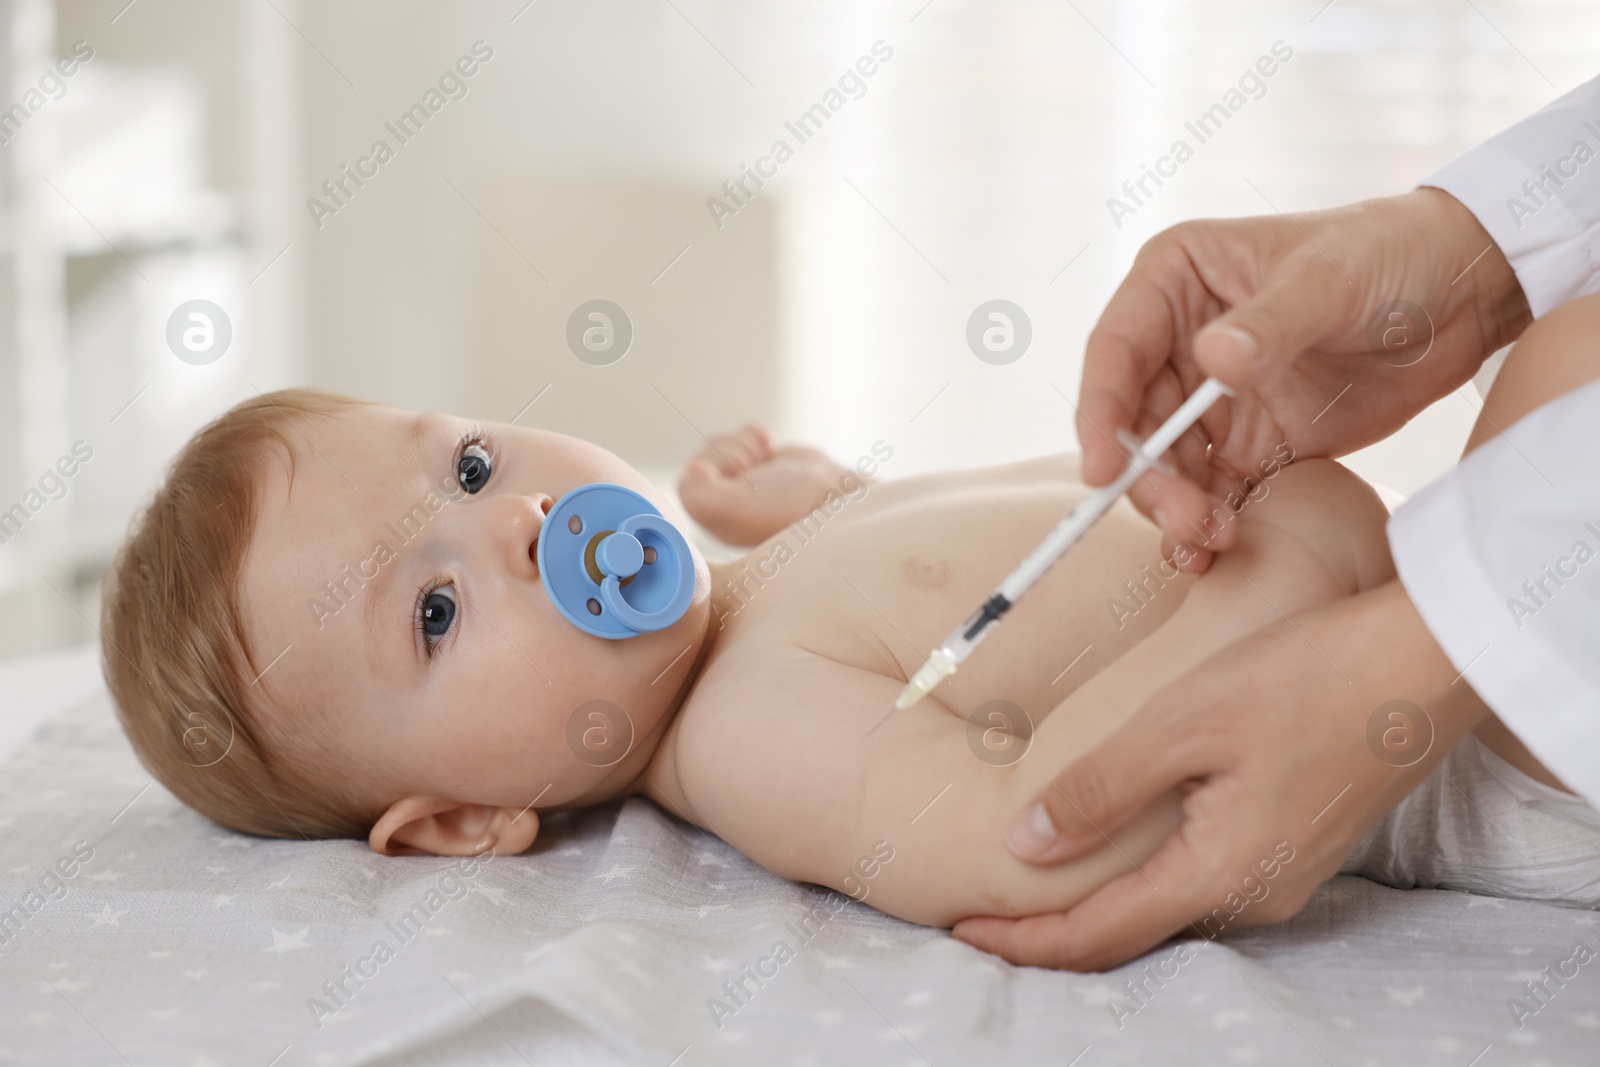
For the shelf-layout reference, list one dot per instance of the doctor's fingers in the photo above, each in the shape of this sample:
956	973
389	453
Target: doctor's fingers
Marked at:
1170	495
1171	893
1182	279
1191	516
1128	365
1303	300
1169	740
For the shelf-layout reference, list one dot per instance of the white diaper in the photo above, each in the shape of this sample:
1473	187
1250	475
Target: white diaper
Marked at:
1480	825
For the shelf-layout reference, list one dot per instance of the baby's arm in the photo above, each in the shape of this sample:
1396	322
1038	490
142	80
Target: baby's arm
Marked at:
916	817
743	489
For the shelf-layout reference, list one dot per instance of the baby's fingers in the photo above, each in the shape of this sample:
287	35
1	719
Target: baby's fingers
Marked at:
701	470
758	443
727	453
739	451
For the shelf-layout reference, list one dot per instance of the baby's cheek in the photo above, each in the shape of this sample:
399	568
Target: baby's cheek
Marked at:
598	733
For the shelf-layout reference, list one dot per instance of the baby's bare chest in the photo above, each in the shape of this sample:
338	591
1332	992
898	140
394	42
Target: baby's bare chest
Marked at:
878	581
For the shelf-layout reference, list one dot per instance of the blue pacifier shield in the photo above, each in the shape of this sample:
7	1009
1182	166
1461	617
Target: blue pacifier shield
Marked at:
612	564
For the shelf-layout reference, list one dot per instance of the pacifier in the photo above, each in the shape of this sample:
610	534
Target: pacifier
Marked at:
612	564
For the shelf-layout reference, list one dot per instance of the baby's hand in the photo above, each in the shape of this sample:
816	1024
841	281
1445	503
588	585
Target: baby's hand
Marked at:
743	490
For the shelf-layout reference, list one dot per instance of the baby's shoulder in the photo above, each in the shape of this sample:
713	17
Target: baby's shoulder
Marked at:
772	672
769	703
777	752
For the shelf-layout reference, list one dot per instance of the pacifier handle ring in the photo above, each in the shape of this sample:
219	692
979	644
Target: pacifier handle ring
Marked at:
611	589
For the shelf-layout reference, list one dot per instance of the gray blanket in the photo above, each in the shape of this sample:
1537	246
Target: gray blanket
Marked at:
629	936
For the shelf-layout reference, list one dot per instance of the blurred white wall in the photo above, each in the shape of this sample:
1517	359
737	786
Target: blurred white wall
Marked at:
576	163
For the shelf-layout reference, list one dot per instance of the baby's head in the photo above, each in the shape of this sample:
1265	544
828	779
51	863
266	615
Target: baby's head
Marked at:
329	623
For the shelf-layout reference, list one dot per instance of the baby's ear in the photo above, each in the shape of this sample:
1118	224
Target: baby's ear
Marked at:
440	827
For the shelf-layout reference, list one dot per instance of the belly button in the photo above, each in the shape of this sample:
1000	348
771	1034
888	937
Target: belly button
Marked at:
926	571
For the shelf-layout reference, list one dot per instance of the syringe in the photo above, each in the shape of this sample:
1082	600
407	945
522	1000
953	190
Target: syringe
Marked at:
945	659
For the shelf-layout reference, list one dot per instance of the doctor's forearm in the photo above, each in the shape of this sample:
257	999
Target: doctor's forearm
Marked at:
1490	284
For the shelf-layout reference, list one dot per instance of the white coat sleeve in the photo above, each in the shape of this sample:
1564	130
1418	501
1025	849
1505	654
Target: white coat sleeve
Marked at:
1536	188
1502	555
1502	559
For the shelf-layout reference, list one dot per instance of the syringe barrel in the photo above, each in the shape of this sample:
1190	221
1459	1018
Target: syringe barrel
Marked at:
957	646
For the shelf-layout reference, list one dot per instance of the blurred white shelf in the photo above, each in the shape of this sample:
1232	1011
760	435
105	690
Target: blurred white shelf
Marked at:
66	552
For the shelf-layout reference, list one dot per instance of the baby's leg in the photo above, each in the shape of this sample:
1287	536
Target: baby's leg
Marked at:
1315	536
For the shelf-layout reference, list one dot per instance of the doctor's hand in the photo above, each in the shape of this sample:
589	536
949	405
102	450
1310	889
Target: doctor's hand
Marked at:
1274	741
1334	327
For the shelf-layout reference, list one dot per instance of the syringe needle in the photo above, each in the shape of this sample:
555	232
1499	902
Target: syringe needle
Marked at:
939	667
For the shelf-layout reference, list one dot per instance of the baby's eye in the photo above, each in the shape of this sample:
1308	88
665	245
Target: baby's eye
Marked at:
435	615
473	467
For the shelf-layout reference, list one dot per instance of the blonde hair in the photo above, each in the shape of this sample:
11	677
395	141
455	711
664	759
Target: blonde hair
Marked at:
174	644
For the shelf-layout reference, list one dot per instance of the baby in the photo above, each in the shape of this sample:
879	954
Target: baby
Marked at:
330	622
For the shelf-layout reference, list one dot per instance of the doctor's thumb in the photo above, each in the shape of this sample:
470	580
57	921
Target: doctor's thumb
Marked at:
1105	787
1257	339
1085	803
